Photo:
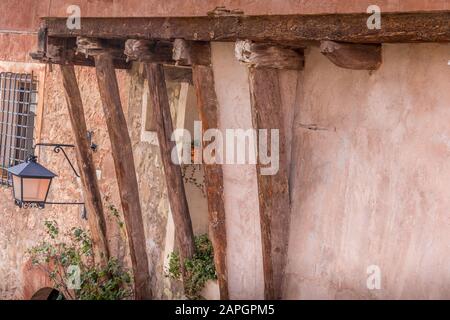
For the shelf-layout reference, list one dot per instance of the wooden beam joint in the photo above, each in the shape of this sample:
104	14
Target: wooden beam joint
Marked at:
65	51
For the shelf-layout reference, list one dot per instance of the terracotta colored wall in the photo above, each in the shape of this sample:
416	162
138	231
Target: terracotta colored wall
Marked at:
31	10
373	188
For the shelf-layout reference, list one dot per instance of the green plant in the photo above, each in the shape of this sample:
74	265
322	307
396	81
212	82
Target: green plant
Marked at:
62	259
198	270
115	213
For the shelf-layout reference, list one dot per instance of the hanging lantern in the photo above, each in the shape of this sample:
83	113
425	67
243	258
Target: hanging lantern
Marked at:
31	183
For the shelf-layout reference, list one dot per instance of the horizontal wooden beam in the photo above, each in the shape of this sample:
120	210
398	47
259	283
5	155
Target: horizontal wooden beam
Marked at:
395	27
353	56
63	51
177	74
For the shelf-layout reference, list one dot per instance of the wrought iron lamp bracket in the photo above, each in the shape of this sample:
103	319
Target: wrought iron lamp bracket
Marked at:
57	148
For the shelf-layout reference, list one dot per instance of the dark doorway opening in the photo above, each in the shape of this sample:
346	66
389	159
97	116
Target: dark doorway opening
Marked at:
48	294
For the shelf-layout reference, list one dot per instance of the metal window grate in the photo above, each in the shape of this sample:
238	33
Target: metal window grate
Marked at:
18	100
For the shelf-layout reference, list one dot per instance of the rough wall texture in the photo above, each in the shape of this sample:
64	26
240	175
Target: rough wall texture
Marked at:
372	187
22	229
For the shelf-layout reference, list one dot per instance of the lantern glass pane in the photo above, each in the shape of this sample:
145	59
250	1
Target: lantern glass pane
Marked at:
17	183
35	190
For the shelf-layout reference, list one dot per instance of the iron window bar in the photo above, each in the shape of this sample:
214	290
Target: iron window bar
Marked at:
18	92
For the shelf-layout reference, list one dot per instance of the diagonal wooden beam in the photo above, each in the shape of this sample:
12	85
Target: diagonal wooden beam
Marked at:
174	180
122	154
91	191
153	55
207	104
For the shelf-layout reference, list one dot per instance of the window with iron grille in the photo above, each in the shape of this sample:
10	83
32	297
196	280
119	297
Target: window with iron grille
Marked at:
18	100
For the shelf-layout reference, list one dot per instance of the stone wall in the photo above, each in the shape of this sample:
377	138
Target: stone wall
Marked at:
22	229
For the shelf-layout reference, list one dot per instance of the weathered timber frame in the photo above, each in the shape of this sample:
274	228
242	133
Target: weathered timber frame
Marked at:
153	55
122	155
197	55
165	44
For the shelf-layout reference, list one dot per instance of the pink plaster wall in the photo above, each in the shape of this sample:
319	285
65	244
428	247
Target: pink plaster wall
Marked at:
373	188
244	251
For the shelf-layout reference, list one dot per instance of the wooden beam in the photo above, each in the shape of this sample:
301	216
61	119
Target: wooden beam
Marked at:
208	108
122	154
63	51
177	74
262	55
188	53
273	190
353	56
91	190
149	51
396	27
174	179
165	52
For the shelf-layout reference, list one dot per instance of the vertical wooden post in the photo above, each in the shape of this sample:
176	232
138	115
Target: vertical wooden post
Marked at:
174	180
122	154
207	103
274	202
263	61
91	191
199	56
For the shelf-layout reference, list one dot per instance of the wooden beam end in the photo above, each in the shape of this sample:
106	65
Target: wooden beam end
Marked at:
353	56
268	55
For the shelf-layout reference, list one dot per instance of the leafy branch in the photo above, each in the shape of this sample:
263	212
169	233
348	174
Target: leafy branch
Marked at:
61	259
198	270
